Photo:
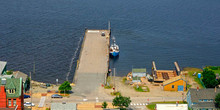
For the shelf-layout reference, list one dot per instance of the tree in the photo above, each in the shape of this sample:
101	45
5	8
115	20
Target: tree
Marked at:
104	104
217	100
121	101
65	86
209	78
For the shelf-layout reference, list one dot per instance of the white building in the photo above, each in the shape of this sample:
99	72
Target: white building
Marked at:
171	107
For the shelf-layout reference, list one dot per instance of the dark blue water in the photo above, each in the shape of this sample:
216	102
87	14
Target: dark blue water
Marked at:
47	32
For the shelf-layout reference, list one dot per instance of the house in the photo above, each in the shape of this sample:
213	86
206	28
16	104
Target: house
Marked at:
137	74
175	84
202	99
171	107
63	106
11	93
3	67
18	74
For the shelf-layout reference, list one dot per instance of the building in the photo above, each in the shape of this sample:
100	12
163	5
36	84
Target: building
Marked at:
202	99
171	107
3	67
175	84
63	106
18	74
11	93
163	75
137	74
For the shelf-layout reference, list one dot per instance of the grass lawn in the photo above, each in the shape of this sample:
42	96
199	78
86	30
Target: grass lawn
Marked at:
142	89
190	73
152	105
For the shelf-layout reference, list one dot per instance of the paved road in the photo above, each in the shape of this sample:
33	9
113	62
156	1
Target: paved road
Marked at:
136	101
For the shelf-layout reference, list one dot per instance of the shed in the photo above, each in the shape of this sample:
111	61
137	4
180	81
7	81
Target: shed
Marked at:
171	107
63	106
137	73
175	84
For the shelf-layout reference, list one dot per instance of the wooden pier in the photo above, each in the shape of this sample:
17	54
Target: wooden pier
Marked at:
93	62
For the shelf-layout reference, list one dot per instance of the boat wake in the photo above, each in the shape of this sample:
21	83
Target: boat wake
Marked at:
73	58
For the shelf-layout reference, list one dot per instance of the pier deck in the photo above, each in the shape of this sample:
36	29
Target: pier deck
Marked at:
93	62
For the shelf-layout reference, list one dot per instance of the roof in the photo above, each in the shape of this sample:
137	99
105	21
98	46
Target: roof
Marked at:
173	79
204	105
139	70
14	83
171	107
61	106
2	66
6	76
208	93
18	74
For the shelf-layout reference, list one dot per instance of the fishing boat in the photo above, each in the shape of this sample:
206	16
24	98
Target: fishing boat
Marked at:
114	48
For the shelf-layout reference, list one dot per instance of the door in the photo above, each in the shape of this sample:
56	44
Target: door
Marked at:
180	88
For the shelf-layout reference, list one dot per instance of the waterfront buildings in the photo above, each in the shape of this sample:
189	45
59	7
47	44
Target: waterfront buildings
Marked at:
202	99
11	93
175	84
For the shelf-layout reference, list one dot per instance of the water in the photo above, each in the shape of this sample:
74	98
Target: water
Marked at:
48	32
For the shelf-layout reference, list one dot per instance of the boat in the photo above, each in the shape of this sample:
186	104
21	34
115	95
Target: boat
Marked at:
114	49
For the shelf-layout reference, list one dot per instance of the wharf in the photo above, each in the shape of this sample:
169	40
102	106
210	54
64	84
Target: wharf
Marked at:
93	62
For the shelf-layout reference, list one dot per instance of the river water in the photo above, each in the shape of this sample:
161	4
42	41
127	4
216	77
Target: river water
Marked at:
48	32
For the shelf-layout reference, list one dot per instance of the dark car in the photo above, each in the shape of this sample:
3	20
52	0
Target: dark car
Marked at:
26	96
56	96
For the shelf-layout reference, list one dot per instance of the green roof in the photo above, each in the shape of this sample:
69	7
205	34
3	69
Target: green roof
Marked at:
138	70
14	83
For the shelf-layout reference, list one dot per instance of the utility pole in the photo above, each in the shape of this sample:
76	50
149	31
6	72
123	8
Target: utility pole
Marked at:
114	80
31	90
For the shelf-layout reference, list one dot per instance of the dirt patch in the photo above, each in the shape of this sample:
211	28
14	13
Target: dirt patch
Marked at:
129	91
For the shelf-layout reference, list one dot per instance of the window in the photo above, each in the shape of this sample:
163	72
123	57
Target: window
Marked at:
9	102
172	86
11	91
14	102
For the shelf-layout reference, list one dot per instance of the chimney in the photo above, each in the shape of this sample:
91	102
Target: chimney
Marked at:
197	88
215	89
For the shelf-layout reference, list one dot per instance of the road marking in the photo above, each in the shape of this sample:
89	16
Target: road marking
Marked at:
42	100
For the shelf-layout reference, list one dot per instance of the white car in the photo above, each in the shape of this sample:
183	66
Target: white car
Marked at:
28	104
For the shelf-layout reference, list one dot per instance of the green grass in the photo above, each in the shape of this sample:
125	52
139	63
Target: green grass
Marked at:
108	87
117	93
124	80
152	105
190	73
189	86
140	89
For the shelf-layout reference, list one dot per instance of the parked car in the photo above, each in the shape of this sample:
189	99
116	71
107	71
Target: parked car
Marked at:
103	34
56	96
28	104
27	96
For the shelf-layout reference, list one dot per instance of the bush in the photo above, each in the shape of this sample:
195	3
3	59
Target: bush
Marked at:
104	104
9	72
